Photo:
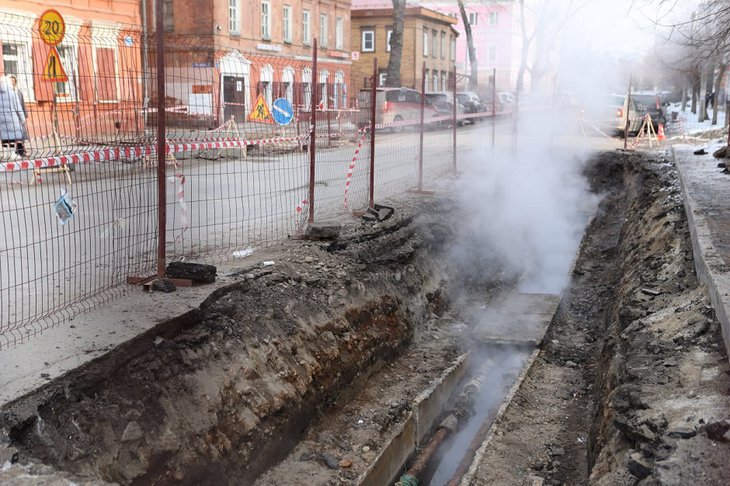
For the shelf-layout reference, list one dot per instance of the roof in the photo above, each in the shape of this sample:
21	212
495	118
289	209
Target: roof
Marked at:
422	12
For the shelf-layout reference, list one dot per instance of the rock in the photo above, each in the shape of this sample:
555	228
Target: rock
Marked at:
637	465
722	153
309	259
330	461
557	451
164	285
132	432
196	272
571	364
716	430
323	231
681	432
345	463
8	454
366	449
306	456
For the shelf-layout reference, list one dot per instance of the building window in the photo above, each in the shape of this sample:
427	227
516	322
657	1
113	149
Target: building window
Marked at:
323	30
473	17
388	35
168	19
234	17
265	20
434	43
426	74
286	23
16	61
306	33
340	33
106	74
425	42
493	18
435	81
381	79
443	45
452	55
444	81
64	90
492	54
368	41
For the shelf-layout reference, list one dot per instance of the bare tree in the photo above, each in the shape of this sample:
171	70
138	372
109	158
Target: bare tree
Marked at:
392	77
473	63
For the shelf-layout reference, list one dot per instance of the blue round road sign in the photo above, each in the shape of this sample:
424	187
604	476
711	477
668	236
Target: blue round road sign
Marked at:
282	111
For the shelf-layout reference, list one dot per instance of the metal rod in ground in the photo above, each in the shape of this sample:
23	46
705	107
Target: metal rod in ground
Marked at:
453	154
373	101
313	132
420	143
494	105
161	149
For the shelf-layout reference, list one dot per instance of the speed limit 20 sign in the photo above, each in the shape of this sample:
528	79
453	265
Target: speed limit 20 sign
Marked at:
51	27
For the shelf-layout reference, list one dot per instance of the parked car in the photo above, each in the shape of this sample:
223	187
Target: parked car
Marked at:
609	113
652	104
472	104
444	103
394	105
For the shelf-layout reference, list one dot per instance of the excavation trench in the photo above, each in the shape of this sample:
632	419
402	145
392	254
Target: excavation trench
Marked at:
312	371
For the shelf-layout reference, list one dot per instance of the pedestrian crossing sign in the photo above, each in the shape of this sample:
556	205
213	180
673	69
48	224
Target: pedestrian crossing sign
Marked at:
53	69
261	112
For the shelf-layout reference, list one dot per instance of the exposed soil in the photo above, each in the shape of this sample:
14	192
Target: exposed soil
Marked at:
315	361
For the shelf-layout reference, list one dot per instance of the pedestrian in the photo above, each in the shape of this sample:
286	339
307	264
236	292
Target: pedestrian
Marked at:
12	118
21	100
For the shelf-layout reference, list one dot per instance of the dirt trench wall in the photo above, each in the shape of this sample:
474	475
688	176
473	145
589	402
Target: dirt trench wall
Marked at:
219	396
662	370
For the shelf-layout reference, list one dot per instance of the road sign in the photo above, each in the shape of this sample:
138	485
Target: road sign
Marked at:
51	27
261	112
53	69
282	111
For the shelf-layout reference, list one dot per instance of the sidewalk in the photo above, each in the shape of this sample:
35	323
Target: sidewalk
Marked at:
706	191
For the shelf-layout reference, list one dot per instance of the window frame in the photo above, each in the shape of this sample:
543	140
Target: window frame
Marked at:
323	29
306	27
434	43
493	18
473	18
388	35
425	42
339	32
442	47
265	20
363	34
286	27
234	17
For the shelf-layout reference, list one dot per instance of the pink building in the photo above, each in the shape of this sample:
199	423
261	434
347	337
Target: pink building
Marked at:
497	36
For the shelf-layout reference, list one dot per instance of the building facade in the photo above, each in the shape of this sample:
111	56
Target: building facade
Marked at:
221	59
100	56
429	40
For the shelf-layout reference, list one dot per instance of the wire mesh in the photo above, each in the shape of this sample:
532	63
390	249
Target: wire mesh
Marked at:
78	206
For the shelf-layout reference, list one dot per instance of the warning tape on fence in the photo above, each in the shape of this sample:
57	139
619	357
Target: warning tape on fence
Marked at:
119	153
351	169
180	178
301	216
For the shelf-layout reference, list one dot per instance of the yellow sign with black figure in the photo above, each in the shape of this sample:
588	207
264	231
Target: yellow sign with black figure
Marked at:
51	27
53	69
261	112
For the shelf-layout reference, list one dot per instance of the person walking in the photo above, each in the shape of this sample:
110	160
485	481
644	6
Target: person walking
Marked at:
21	100
12	119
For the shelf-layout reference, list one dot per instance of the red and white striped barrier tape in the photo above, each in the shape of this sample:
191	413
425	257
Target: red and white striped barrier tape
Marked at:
351	169
301	216
180	177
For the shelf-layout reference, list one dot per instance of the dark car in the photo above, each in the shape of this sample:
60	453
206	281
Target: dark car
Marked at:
444	103
651	104
472	103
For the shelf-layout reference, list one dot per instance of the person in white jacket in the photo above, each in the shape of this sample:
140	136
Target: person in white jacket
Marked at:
12	118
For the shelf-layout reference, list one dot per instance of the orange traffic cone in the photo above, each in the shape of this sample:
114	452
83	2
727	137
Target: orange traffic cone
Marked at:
660	136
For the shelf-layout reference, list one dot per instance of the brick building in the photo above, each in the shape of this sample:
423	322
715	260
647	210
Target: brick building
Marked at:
428	37
224	56
99	52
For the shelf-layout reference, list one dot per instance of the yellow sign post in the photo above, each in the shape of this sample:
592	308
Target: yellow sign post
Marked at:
261	112
51	27
53	69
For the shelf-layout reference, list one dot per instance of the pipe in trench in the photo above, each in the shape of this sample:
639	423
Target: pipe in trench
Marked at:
450	424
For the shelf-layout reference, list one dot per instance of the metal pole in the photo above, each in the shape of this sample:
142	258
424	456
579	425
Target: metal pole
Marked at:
420	143
313	132
494	105
628	117
161	145
453	87
373	101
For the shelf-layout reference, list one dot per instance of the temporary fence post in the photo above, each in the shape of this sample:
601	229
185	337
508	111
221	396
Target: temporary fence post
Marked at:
161	145
313	132
628	117
329	127
420	143
494	105
453	87
373	101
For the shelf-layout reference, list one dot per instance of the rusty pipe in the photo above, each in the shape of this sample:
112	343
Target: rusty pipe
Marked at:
410	478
